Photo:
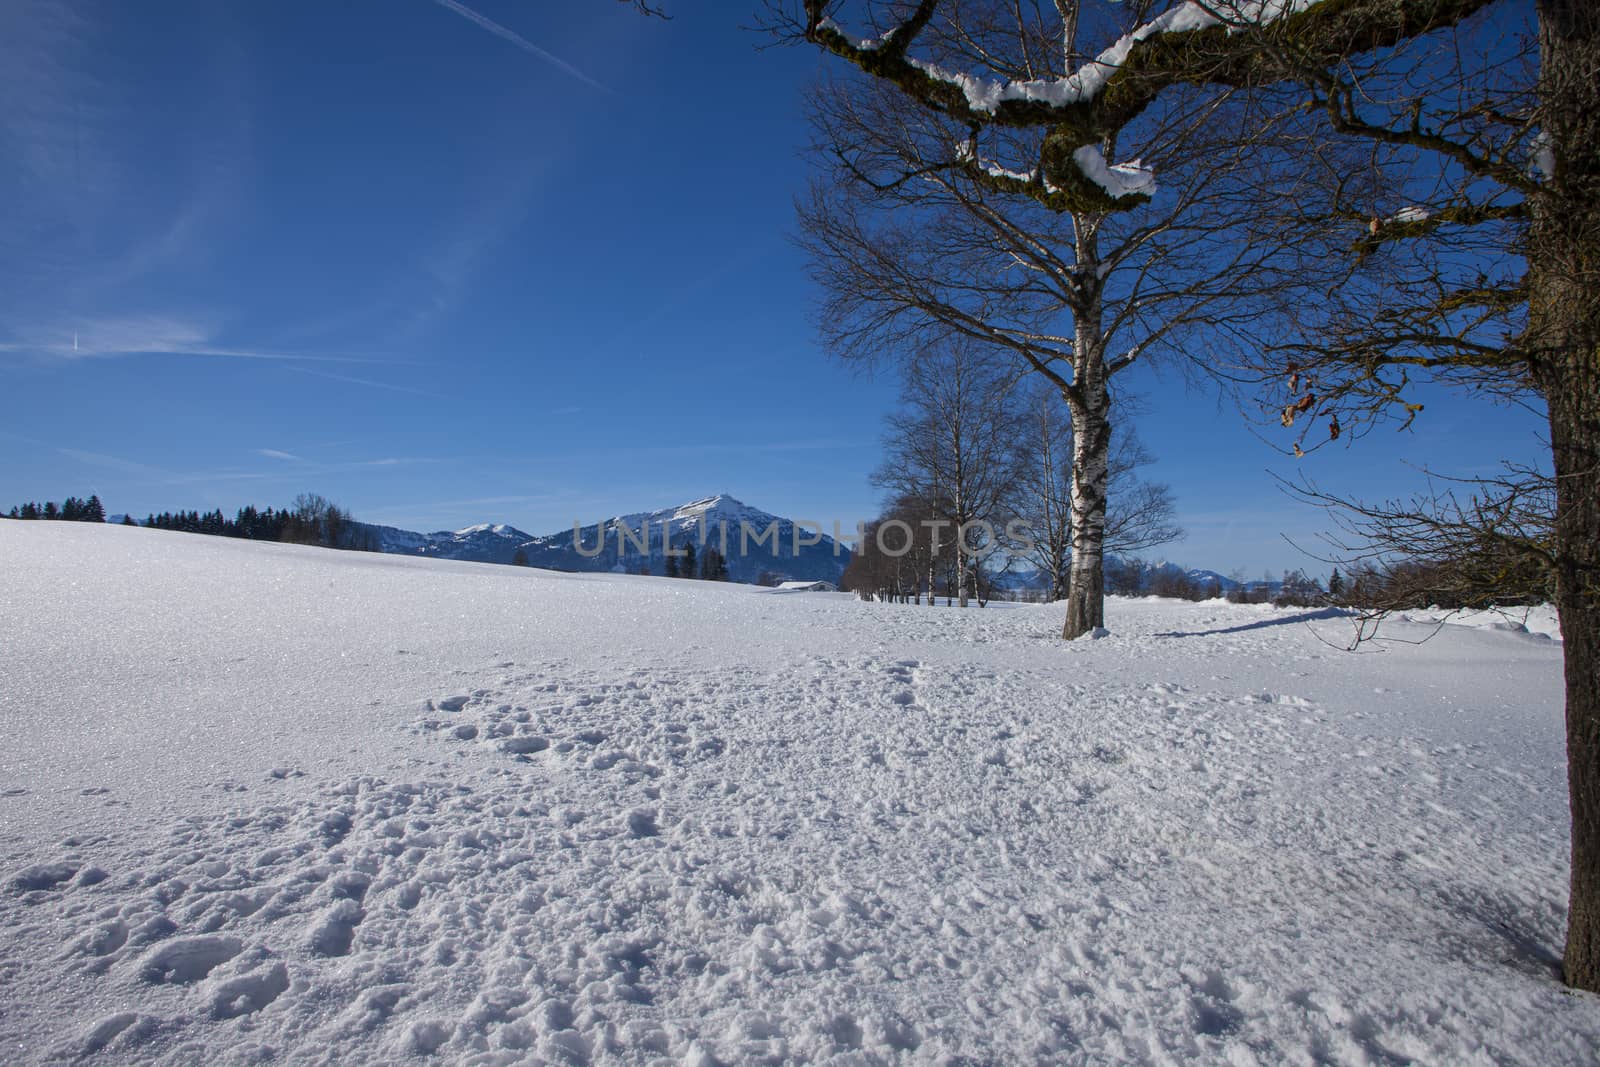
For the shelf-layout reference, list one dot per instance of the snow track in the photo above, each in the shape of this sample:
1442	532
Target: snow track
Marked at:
270	804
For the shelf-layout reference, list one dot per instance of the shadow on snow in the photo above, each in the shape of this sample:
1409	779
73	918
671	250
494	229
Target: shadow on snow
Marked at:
1305	616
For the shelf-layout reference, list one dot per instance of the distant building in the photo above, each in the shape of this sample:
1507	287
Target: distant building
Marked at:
805	587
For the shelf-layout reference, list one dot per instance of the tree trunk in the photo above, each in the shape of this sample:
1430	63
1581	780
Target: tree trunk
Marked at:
1564	331
1091	439
1089	403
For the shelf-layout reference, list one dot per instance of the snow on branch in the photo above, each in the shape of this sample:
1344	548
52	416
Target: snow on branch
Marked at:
1415	221
1199	42
1119	185
1089	80
1119	180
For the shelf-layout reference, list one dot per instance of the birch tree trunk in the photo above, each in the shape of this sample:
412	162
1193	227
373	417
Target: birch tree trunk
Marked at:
1089	402
1091	430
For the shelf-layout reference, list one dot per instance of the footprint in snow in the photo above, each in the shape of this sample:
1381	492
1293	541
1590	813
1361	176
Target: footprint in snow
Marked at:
248	993
524	744
106	1030
100	940
42	876
643	823
188	959
337	931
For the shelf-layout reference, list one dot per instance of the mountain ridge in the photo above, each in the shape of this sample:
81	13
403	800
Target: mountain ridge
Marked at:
757	542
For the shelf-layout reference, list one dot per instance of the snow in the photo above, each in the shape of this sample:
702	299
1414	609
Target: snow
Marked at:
498	528
1410	214
1119	180
270	803
1089	80
1542	163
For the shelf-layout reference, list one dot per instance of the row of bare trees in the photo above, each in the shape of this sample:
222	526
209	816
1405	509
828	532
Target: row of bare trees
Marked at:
1357	197
978	472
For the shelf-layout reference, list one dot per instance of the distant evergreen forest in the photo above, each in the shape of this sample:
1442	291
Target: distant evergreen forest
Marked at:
310	520
70	510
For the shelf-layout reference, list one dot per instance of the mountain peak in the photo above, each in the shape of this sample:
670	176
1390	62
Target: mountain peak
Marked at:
721	502
756	542
499	529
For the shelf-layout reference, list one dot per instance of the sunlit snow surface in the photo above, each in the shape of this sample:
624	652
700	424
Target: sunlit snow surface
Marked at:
270	803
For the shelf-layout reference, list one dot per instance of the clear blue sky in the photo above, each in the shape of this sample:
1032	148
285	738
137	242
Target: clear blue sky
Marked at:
379	251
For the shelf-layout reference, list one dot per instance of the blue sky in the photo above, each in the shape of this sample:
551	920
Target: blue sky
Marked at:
378	251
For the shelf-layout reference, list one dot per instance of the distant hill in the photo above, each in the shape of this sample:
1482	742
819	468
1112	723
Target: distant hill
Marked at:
483	543
1024	579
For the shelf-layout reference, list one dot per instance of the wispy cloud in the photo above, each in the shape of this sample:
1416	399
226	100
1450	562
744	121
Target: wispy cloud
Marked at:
117	463
92	213
151	335
521	42
302	468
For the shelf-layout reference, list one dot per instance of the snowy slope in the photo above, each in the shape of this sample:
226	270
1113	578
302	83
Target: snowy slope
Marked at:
264	803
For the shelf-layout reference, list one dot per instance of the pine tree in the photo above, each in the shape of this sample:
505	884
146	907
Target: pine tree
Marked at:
713	566
127	520
687	568
671	568
1335	584
93	510
51	511
520	559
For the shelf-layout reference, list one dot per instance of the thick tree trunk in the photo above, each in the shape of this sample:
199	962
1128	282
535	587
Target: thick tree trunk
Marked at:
1575	438
1091	440
1564	332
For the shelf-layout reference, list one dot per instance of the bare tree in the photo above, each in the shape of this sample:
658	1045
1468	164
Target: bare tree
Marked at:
936	220
1465	543
951	449
896	555
1548	159
315	520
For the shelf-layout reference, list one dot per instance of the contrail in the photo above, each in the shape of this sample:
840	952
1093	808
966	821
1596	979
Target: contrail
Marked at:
157	348
363	381
520	41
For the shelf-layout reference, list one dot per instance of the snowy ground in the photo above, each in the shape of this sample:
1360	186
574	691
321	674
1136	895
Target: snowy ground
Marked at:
263	803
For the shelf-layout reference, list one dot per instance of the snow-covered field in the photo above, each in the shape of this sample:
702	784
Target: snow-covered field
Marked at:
272	804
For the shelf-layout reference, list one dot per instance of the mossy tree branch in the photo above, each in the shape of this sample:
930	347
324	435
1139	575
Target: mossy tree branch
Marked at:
1224	54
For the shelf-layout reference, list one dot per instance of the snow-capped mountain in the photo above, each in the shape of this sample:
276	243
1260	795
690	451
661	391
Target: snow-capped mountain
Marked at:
754	541
483	543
